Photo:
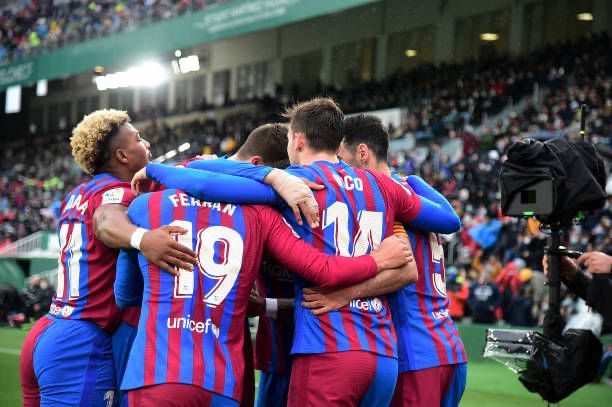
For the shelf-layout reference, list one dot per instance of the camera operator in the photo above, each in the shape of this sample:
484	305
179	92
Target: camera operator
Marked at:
594	286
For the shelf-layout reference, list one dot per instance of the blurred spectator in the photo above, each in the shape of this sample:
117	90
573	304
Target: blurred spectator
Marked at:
11	306
37	297
458	292
606	358
483	300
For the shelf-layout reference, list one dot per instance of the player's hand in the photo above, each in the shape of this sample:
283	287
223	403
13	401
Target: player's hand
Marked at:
323	300
160	247
297	194
140	182
569	268
256	306
596	262
312	185
393	253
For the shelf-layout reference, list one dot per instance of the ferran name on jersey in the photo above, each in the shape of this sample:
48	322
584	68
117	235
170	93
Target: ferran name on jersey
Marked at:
181	199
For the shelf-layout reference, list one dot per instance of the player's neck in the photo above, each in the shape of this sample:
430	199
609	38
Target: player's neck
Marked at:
122	174
379	166
308	157
383	168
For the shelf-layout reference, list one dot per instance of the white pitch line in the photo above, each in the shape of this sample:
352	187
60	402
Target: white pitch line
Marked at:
10	351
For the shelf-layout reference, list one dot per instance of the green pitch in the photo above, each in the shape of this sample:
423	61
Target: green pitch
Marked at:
489	384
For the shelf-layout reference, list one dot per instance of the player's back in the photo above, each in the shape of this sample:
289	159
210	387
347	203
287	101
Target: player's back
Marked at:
86	266
191	328
354	219
427	335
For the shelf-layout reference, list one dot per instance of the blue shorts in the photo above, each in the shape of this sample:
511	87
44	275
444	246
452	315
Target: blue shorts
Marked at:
273	390
73	364
381	389
122	341
453	394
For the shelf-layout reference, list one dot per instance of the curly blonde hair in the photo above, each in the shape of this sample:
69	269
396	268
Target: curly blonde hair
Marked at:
90	137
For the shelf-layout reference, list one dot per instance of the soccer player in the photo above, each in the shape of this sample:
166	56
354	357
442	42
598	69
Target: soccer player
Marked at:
432	359
66	358
188	349
275	286
355	345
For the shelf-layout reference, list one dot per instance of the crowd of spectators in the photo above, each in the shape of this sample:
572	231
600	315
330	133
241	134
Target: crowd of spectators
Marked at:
32	26
496	272
494	268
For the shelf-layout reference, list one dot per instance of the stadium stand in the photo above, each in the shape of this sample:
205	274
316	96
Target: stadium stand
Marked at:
30	27
447	106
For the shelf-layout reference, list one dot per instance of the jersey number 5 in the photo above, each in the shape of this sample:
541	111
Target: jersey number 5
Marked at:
228	245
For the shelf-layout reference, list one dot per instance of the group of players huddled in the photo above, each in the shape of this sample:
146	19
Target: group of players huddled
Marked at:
161	266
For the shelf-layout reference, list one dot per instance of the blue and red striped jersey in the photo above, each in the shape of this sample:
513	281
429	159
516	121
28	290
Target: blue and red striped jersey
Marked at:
357	211
86	267
191	327
426	334
274	337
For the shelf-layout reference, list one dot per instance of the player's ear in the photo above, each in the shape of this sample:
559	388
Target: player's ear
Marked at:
256	160
300	141
363	153
121	156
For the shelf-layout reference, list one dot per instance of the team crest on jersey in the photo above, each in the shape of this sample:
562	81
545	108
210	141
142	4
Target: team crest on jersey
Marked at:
113	196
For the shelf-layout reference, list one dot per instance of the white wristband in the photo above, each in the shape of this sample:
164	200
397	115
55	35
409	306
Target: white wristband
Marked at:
271	308
137	238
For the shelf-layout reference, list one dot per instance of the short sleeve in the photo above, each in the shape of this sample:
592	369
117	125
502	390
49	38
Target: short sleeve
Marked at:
115	193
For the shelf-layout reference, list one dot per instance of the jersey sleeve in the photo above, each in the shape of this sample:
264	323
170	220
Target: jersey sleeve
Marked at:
115	193
413	210
401	198
438	214
285	245
232	167
301	172
128	281
213	187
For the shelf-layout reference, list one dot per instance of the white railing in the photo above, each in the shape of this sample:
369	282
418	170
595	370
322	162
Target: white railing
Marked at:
33	245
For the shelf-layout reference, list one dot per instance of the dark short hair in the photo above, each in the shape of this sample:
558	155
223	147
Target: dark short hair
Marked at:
320	120
268	141
366	129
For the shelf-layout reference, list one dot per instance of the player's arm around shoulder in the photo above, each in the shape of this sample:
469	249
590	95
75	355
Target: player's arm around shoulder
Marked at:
322	300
